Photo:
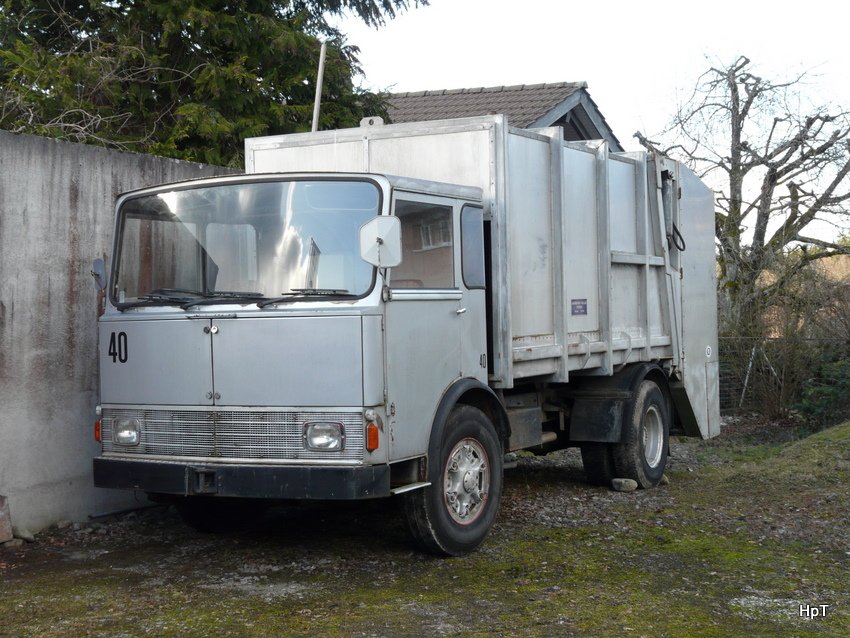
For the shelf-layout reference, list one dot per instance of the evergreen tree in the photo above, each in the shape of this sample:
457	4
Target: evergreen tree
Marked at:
186	79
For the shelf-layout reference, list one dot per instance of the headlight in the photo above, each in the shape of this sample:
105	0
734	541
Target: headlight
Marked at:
322	435
126	431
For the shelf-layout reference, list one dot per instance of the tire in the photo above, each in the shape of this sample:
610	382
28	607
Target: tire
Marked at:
214	515
642	453
598	461
453	515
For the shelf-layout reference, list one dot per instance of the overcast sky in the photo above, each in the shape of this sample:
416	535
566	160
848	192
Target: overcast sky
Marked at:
638	58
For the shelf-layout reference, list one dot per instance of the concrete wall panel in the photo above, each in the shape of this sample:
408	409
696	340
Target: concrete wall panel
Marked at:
56	216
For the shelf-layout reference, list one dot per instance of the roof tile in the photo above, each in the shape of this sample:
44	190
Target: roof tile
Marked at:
522	104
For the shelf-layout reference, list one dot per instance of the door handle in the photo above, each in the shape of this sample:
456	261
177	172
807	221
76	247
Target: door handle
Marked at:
460	311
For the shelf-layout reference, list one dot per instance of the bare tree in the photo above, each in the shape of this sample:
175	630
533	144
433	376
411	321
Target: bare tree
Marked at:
778	167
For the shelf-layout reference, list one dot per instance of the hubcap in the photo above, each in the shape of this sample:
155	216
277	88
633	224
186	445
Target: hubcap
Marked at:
653	437
466	481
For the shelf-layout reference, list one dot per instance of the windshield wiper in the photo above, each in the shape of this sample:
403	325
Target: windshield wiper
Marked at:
307	293
186	298
222	297
316	291
161	297
172	292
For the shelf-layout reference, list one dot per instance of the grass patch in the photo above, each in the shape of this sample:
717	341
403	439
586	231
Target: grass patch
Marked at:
728	550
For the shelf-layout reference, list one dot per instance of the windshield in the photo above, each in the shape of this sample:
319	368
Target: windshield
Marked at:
255	240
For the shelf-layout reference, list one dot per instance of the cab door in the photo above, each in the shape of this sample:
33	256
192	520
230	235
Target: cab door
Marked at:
427	314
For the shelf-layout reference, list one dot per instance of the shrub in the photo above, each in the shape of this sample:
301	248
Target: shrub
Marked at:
826	396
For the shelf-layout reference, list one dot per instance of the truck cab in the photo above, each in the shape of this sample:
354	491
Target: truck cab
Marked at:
244	346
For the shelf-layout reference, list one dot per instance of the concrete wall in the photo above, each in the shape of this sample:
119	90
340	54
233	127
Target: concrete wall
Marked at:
56	214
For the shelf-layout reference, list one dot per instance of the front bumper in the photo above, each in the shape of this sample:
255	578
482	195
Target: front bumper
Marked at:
247	481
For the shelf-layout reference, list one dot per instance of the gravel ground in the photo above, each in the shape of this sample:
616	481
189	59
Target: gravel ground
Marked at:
751	526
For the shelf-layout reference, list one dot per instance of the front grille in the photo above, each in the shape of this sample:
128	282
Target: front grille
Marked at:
231	434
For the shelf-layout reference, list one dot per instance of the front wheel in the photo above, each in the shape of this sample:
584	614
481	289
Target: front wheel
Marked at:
642	453
454	514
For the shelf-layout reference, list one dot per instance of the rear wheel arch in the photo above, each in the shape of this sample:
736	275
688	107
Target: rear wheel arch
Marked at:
644	445
657	376
617	450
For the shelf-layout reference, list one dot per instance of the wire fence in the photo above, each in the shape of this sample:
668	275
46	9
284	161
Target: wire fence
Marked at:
769	376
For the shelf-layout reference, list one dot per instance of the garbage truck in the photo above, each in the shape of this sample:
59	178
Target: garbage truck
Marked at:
396	310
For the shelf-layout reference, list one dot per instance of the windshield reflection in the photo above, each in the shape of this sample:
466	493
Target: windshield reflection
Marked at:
254	240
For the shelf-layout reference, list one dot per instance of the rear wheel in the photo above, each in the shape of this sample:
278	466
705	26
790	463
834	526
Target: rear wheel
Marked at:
454	514
598	461
642	453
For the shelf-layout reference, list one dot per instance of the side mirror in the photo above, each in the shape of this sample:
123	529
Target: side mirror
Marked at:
98	271
380	242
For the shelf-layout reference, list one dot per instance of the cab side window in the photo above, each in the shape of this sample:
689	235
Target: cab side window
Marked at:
427	246
472	246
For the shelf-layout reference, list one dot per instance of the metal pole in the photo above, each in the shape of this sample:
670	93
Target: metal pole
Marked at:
319	80
747	376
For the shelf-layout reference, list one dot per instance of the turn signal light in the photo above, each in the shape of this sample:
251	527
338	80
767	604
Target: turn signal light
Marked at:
373	437
97	430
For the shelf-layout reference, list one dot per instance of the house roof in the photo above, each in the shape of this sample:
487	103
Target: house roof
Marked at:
566	104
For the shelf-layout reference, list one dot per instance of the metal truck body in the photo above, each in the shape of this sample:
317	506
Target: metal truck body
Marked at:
391	309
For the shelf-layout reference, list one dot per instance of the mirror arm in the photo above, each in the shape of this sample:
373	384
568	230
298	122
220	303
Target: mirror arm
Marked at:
98	271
